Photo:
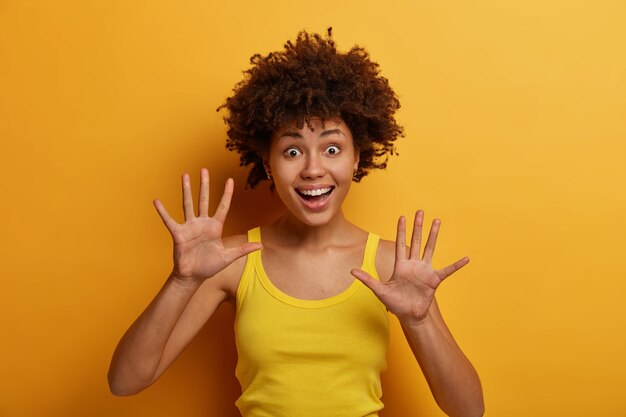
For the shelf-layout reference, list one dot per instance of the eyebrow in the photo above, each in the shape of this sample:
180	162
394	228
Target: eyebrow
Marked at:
297	135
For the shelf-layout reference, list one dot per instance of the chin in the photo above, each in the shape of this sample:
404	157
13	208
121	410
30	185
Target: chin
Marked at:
317	219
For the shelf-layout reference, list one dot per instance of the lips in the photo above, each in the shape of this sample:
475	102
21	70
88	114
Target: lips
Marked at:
315	198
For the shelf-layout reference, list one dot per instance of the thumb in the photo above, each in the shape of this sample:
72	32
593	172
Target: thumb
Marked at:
232	254
371	283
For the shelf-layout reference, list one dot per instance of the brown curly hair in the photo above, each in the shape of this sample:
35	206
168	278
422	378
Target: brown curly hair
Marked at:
310	78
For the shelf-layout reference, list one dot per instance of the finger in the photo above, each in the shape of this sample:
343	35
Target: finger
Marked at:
222	209
232	254
444	273
416	237
203	202
187	198
371	283
401	240
165	216
429	249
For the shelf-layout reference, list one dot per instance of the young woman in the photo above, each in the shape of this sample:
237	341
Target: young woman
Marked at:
311	338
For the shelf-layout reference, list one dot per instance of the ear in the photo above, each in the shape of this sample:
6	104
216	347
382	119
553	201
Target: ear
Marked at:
357	158
266	166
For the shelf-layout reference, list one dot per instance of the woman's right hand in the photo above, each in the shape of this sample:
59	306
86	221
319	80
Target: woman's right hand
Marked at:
198	249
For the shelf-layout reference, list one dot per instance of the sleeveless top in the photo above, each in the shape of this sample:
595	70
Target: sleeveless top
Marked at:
300	358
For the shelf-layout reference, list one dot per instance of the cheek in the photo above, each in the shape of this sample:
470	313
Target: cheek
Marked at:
282	173
346	169
283	178
345	174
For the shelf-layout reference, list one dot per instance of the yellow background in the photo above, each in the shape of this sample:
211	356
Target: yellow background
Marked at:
515	136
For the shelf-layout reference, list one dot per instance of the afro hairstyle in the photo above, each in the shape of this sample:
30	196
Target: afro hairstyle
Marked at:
310	78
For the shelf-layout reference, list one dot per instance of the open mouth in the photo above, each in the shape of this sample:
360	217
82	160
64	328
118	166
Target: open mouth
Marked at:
315	197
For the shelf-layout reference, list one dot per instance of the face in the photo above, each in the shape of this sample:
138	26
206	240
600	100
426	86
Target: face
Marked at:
312	169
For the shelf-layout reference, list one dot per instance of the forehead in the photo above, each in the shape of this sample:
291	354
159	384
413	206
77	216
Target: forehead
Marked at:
317	127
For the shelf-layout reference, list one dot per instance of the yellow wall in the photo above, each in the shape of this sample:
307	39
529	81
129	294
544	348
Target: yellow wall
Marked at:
514	115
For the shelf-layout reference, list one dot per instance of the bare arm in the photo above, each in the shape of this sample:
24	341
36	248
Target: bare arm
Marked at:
410	295
191	294
138	356
451	377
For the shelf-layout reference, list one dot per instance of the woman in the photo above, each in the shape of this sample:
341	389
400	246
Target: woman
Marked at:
311	338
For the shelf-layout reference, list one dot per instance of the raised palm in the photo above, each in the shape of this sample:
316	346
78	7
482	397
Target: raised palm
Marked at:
411	288
198	249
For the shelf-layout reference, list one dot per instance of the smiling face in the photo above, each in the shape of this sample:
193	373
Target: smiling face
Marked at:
312	169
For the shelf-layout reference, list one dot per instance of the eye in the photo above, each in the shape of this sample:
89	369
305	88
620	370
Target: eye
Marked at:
333	149
292	152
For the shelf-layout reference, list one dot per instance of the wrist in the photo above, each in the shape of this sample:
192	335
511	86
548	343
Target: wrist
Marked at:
184	282
415	322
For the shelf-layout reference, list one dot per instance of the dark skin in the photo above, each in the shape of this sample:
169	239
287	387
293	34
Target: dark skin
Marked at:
302	243
410	290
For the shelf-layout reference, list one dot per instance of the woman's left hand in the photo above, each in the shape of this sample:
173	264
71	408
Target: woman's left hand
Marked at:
410	291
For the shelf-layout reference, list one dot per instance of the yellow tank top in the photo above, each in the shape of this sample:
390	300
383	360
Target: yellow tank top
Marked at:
300	358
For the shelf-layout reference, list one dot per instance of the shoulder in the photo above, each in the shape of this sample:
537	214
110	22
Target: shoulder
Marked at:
385	258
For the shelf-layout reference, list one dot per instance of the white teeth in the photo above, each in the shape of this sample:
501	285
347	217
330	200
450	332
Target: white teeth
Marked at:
316	192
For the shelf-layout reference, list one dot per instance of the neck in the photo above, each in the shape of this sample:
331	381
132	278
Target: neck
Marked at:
295	232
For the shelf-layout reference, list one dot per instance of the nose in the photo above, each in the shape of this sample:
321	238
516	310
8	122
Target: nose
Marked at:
313	167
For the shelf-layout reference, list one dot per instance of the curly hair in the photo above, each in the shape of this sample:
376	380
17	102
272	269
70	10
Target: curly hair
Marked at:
310	78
